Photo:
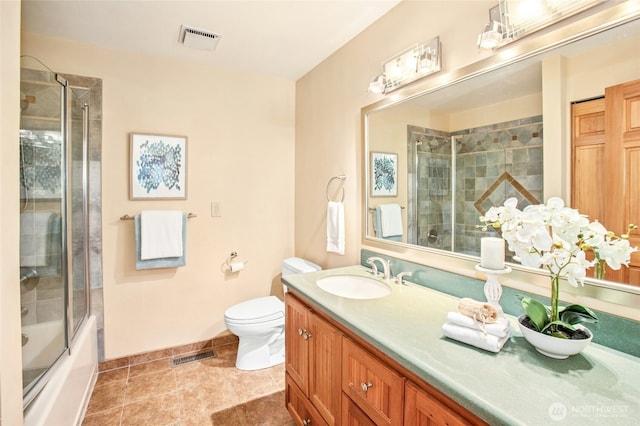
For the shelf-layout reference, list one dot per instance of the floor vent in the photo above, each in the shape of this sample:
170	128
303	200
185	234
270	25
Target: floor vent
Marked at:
191	358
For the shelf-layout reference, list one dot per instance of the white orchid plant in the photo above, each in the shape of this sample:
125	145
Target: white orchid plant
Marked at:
557	238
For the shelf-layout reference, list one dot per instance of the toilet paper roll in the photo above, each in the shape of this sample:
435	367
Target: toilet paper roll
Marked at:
236	266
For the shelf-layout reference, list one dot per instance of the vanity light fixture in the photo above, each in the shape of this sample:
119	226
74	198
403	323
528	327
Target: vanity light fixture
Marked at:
378	84
511	19
413	63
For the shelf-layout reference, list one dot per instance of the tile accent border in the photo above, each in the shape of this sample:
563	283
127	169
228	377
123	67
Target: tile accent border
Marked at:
167	353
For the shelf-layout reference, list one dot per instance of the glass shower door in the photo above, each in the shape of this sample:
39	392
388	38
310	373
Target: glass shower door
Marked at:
42	225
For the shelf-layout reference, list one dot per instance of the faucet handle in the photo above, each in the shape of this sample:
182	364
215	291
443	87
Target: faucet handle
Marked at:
400	277
374	268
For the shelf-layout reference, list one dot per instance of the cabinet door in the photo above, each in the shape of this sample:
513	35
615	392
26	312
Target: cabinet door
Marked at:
352	415
301	410
374	387
325	356
421	409
296	342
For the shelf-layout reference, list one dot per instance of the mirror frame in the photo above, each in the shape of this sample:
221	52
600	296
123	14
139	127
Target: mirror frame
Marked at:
597	21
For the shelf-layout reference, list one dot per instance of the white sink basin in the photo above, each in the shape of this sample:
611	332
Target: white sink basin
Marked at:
354	287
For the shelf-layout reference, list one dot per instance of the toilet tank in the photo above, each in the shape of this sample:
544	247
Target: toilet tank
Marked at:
296	265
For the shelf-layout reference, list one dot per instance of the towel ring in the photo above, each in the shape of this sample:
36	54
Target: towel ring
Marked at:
341	177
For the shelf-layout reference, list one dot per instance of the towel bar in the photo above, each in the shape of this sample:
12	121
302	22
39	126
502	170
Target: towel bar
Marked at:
127	217
373	208
341	177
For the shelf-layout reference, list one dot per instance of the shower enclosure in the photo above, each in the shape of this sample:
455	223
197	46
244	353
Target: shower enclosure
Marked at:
54	273
454	177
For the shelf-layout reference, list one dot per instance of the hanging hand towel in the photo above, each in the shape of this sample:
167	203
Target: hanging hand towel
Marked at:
166	262
390	220
160	234
335	227
476	338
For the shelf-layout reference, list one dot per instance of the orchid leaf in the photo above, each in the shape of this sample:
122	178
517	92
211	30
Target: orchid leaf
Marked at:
557	333
583	312
572	317
536	311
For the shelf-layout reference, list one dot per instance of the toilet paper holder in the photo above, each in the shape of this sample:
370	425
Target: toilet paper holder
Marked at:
233	265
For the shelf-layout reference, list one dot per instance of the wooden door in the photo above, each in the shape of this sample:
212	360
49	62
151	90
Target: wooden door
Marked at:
301	410
296	342
587	158
325	357
622	159
605	154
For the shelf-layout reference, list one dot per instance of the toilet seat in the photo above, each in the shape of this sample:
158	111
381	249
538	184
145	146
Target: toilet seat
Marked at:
259	310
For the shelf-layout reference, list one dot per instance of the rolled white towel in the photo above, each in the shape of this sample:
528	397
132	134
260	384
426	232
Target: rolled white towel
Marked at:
500	328
476	338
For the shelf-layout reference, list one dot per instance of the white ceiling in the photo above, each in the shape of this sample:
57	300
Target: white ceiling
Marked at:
280	38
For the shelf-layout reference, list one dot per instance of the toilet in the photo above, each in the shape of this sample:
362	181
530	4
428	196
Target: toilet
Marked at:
259	324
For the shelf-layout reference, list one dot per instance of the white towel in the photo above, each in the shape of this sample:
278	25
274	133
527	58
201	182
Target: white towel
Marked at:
160	234
335	227
34	237
500	328
488	342
390	220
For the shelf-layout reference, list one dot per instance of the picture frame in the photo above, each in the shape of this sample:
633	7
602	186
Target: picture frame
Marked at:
384	174
158	167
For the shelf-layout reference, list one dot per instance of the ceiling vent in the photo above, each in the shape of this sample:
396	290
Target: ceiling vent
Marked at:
198	39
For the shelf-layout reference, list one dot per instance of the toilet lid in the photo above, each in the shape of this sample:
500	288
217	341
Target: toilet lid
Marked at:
260	309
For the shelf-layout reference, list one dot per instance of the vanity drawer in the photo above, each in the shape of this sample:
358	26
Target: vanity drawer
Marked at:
373	386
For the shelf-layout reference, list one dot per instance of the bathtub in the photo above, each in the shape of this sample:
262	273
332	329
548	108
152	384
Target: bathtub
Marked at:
64	398
44	345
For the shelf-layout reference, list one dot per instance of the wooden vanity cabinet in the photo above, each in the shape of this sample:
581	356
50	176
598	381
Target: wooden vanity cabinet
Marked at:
313	352
373	386
335	378
422	409
299	406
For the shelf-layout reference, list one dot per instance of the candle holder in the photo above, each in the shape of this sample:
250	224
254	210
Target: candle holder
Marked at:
492	288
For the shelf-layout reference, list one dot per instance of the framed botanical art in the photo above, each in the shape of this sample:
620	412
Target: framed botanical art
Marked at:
158	167
384	174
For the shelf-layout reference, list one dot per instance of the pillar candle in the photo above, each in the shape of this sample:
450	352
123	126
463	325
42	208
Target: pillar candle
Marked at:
492	253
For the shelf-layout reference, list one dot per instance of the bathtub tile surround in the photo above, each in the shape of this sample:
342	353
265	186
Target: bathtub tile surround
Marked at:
145	389
611	330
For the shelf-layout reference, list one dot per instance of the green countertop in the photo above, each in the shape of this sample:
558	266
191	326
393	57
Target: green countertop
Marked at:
517	386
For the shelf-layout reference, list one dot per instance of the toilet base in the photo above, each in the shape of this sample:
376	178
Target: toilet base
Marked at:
254	354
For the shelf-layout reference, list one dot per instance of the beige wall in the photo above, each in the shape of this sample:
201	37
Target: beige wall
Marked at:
240	130
10	348
328	103
329	135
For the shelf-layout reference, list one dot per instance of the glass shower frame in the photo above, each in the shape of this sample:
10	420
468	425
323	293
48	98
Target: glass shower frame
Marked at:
57	294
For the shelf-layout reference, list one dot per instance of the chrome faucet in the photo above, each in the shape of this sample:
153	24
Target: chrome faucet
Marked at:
386	266
400	277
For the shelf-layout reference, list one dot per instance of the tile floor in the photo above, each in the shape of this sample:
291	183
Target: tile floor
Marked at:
205	392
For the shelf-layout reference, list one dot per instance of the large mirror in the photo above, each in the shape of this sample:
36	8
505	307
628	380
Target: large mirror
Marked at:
448	150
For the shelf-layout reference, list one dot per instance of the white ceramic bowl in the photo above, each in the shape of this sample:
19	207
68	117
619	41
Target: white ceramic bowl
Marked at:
554	347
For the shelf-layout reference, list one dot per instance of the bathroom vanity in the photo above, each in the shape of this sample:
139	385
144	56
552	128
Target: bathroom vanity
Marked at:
384	361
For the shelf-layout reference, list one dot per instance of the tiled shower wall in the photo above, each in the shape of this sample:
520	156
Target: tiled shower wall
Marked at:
492	163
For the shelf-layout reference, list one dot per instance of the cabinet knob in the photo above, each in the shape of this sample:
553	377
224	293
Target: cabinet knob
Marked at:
365	386
300	331
306	422
307	335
